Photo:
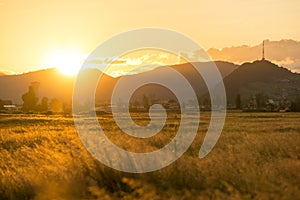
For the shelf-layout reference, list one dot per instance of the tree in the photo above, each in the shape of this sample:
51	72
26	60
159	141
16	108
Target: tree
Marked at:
146	102
261	100
206	102
44	104
238	101
198	100
30	98
56	105
135	104
295	107
1	104
67	107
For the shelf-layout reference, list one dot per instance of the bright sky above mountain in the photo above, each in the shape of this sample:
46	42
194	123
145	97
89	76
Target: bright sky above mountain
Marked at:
32	31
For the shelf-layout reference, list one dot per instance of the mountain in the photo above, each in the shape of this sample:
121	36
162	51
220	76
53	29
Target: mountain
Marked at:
55	85
52	85
187	70
262	77
248	79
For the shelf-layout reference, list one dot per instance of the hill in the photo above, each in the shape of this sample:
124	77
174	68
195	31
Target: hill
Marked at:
52	85
157	92
248	79
262	77
55	85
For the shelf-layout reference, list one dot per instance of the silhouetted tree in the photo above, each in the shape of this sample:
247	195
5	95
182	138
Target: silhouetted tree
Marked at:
146	102
67	107
206	102
56	105
295	107
261	100
30	98
183	105
120	103
44	104
238	101
1	104
199	100
135	104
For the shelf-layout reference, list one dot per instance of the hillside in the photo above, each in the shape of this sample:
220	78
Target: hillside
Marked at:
161	93
247	80
52	85
55	85
262	77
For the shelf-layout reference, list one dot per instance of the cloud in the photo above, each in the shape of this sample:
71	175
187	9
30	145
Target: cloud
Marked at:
296	69
7	72
132	63
285	53
292	64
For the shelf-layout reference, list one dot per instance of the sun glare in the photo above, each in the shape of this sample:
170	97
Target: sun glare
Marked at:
67	61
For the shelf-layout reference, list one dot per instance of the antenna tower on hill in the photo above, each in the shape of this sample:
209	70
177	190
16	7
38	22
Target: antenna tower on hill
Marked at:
263	50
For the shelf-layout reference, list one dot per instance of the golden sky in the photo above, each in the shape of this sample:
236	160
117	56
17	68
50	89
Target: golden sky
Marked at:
31	30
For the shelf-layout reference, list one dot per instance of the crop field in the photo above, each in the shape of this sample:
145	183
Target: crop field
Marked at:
256	157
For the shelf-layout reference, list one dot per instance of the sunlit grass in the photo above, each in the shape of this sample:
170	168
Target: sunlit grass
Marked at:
257	156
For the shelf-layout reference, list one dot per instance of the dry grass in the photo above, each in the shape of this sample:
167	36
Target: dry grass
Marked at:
256	157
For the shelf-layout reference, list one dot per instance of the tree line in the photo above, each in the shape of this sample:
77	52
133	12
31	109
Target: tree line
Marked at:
31	101
263	103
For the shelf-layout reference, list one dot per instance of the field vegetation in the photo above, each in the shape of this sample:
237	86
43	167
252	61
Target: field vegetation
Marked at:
256	157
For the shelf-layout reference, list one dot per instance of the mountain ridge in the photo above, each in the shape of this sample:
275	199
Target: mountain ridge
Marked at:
262	77
246	79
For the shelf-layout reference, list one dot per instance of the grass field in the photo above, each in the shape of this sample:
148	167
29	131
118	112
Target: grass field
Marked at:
256	157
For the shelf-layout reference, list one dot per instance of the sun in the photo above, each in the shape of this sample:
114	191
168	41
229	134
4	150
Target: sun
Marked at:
68	61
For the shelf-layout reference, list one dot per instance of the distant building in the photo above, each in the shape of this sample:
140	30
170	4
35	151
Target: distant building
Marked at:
10	107
7	105
269	105
4	102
